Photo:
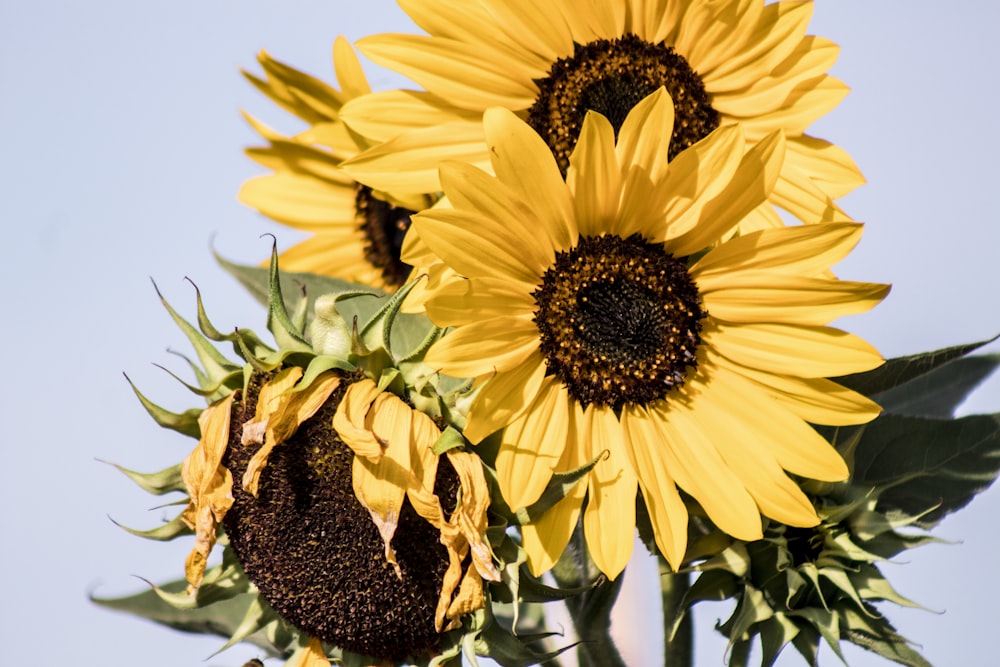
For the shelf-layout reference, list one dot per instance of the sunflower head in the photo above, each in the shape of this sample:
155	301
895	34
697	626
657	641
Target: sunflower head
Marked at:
357	231
613	316
801	586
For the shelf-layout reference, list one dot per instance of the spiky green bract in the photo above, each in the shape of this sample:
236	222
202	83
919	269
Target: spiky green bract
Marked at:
910	467
359	332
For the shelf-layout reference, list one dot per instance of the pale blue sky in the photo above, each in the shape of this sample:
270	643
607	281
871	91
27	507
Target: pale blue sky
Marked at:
120	156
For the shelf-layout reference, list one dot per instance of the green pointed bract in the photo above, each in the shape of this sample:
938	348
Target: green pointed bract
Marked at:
184	422
162	533
157	483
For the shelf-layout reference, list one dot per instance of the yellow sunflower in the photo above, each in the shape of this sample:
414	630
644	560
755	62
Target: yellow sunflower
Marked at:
356	232
723	61
602	316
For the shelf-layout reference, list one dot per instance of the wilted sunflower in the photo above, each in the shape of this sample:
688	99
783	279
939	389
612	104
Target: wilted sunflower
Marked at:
722	62
357	233
327	490
602	317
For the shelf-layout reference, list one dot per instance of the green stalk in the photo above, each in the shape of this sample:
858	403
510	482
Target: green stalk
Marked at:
678	650
590	611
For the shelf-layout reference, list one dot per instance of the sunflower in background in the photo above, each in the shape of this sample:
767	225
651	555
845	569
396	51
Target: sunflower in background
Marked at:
602	318
357	233
734	61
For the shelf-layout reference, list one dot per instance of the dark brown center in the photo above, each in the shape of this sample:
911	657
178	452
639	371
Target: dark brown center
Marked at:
610	76
384	226
314	553
619	321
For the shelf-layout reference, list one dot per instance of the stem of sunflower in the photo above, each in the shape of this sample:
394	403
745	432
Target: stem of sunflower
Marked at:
590	611
678	650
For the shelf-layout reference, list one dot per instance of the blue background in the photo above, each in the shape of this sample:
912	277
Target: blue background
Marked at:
120	158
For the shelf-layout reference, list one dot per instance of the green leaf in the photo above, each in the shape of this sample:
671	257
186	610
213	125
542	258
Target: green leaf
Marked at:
221	619
919	464
939	392
895	372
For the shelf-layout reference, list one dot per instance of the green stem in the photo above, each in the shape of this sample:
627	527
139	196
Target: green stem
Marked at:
590	611
678	650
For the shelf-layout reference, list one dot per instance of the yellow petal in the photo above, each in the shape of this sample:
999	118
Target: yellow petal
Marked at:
464	239
749	187
594	176
299	201
209	485
609	520
532	446
312	655
508	215
350	420
545	540
790	349
667	511
804	250
767	296
640	138
522	161
701	471
497	345
293	408
350	75
754	463
469	76
387	114
798	448
503	398
477	299
815	400
827	164
409	162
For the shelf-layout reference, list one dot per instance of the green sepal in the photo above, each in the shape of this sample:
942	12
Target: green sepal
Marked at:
162	533
209	390
895	372
450	438
256	280
496	642
412	333
184	422
221	582
215	365
250	340
876	634
285	333
156	483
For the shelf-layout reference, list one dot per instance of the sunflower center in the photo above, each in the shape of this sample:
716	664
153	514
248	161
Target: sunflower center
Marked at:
619	320
314	553
610	76
384	227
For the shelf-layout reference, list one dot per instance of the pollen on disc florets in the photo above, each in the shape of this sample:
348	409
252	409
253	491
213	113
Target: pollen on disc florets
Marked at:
619	321
610	76
314	553
384	227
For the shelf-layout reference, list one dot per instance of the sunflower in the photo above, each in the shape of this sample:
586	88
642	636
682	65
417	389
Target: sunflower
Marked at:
602	317
728	61
338	517
357	232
